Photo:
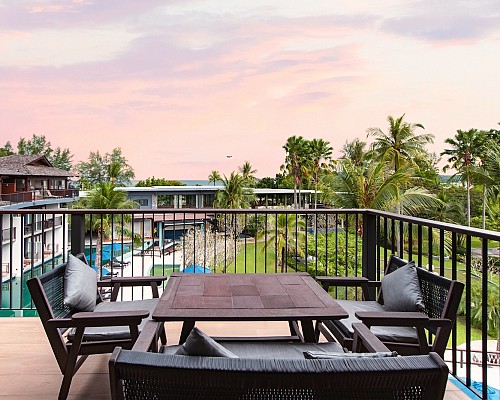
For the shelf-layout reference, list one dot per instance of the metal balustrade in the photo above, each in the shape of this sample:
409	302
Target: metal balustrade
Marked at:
321	242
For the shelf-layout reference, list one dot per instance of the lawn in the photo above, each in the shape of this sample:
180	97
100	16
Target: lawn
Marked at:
254	260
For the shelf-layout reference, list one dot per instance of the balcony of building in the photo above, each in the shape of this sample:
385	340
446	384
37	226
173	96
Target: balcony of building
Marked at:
332	242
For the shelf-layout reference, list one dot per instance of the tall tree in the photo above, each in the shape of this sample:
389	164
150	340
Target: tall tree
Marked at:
286	234
214	177
295	163
148	182
6	150
234	194
320	153
108	226
463	156
99	168
38	145
356	152
400	144
247	172
371	186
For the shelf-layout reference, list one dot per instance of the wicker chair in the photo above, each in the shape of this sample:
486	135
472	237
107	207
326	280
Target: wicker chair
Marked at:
140	375
73	336
404	332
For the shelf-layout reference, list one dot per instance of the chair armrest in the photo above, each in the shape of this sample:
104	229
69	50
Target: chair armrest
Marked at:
352	281
117	282
364	338
148	338
114	318
393	318
131	280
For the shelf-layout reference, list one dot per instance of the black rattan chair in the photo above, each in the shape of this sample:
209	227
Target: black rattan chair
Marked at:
140	375
405	332
73	336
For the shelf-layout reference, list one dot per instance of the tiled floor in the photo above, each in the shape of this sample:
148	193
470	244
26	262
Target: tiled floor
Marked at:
28	369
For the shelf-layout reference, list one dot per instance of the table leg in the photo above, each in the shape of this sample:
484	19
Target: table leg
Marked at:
308	331
187	326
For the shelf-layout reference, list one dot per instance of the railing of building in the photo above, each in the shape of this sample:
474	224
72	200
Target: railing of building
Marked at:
321	242
34	195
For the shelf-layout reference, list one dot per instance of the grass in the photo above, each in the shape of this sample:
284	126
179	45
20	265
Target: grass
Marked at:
254	260
476	334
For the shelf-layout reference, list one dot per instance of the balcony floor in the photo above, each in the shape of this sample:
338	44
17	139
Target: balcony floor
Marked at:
28	369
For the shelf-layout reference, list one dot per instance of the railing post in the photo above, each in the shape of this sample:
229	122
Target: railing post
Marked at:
369	255
77	234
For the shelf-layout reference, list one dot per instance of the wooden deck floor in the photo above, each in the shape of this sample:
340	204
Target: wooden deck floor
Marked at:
28	369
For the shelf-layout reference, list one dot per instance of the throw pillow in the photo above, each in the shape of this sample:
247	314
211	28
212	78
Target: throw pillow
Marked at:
326	355
199	343
80	285
401	290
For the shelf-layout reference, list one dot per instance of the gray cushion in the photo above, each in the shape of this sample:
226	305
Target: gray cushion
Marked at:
200	344
401	290
80	285
403	334
328	355
270	350
116	332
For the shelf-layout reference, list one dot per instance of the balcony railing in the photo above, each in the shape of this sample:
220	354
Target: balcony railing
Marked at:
321	242
34	195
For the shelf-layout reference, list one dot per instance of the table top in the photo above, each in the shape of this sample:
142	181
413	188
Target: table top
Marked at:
245	297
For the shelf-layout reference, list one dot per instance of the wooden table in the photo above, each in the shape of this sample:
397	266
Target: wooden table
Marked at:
246	297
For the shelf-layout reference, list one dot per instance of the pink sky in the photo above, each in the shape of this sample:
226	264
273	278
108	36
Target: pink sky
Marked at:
178	85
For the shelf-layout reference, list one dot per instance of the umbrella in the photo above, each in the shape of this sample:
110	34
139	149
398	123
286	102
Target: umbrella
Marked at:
105	271
196	269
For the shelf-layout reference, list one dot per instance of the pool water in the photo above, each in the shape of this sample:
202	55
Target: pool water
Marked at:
15	294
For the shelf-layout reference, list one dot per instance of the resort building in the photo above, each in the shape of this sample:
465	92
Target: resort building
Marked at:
32	182
204	196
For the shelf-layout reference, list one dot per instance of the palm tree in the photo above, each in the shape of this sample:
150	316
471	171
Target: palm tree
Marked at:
399	144
295	160
371	186
285	233
114	172
247	171
463	156
320	153
355	151
214	177
103	196
234	194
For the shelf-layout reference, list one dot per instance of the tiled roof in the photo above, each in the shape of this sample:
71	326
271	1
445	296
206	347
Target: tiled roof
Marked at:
32	165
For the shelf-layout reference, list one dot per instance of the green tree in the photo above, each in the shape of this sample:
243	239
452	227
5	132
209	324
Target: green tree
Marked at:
371	186
463	156
247	172
61	159
103	168
108	226
400	144
6	150
356	152
320	153
295	164
214	177
119	171
284	233
234	194
38	145
148	182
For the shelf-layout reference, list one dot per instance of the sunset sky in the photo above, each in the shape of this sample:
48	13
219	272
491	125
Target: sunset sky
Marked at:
178	85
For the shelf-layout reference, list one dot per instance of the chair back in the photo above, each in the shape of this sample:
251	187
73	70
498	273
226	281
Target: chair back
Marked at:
141	375
441	297
47	294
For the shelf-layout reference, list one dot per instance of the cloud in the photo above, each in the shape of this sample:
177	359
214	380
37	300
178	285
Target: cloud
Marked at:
447	21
